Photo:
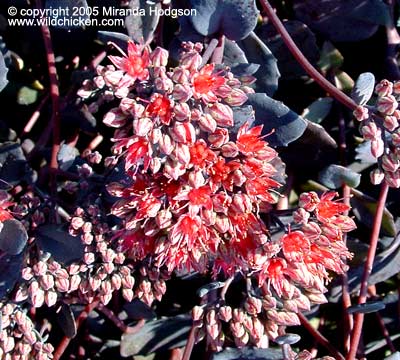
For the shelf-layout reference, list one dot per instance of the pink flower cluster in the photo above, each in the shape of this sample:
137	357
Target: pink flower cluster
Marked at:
291	272
381	127
195	189
18	337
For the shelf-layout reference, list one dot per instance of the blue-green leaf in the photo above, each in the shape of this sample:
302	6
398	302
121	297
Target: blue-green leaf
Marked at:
286	126
233	18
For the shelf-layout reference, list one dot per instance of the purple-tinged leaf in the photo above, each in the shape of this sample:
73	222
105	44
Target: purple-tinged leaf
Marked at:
10	272
157	335
335	176
55	240
66	320
233	18
258	53
283	125
138	310
248	353
141	27
369	307
13	237
288	339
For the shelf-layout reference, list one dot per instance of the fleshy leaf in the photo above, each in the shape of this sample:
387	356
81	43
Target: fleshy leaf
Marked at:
364	208
258	53
289	339
66	156
157	335
141	27
204	290
248	353
13	237
137	309
118	38
3	73
10	272
64	247
318	110
242	115
335	176
233	54
66	320
305	39
363	88
233	18
285	125
343	20
369	307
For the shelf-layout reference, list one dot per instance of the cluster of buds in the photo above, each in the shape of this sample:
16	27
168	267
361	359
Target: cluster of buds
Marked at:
151	285
18	337
106	269
292	274
380	126
30	211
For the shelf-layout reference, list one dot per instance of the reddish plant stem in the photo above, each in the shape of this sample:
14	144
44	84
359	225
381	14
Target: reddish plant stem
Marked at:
359	317
212	45
35	116
190	343
66	340
306	65
218	54
55	100
346	192
112	317
322	340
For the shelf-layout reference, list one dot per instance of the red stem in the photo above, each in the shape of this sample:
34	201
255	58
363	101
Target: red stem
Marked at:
296	52
66	340
55	100
359	317
190	343
319	338
218	54
35	116
346	192
112	317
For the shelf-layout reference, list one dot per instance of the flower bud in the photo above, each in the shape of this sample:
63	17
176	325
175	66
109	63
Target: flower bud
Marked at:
384	88
115	118
390	123
387	105
361	113
159	57
221	113
237	97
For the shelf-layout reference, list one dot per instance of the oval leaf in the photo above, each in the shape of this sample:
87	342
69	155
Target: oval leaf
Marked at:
369	307
3	73
64	247
364	208
13	237
335	176
233	54
10	272
343	20
318	110
66	320
141	27
157	335
137	310
204	290
258	53
233	18
248	354
363	88
286	125
288	339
